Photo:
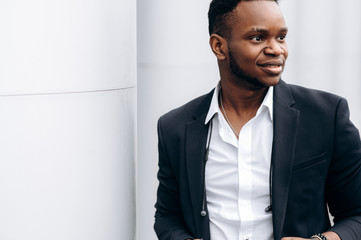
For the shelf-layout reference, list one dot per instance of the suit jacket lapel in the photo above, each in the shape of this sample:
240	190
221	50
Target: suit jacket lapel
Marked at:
196	137
284	142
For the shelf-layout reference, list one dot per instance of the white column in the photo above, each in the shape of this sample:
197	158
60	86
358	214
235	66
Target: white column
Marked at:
67	119
175	64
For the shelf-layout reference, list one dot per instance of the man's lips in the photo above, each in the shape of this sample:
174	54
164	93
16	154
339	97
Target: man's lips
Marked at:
272	67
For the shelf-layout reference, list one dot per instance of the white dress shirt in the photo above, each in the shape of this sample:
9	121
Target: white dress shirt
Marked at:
237	175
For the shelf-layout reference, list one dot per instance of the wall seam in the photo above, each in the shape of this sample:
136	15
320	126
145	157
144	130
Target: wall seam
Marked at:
65	93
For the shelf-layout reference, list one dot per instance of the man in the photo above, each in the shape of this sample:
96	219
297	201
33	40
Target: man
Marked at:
257	158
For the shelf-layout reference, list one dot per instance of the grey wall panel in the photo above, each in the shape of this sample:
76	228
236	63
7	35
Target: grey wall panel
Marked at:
323	48
159	90
175	64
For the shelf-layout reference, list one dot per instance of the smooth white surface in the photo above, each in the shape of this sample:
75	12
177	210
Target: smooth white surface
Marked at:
175	64
66	166
67	46
67	161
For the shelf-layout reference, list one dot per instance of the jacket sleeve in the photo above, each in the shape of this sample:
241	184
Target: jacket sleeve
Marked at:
169	222
343	187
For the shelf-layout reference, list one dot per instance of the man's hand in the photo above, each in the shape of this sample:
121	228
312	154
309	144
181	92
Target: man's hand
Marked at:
330	236
294	238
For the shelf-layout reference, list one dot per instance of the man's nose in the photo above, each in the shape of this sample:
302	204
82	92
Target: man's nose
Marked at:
274	48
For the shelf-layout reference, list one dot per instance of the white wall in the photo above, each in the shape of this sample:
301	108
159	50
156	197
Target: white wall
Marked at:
67	119
175	64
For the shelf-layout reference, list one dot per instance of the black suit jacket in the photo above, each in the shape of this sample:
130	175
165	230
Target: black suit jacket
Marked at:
316	159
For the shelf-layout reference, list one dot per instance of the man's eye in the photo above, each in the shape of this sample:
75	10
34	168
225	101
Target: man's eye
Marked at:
257	38
282	37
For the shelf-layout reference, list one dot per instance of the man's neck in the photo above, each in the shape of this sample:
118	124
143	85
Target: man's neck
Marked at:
240	99
240	104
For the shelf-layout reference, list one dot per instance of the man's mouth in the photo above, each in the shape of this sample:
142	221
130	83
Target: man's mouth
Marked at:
272	67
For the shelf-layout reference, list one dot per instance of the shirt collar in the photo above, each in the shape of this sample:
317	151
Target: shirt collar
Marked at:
268	102
214	107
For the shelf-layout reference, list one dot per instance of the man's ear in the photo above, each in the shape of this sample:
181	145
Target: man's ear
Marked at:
219	46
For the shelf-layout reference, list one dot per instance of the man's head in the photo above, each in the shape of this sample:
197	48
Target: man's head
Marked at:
248	39
220	16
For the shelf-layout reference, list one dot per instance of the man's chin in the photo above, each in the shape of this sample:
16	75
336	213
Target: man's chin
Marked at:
273	82
255	83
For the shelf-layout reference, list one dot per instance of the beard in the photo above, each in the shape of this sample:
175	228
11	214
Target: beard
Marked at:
242	74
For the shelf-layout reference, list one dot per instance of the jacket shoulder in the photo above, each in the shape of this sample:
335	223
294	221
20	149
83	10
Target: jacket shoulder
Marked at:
312	99
300	92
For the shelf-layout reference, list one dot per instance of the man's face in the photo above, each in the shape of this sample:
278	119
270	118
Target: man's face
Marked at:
257	50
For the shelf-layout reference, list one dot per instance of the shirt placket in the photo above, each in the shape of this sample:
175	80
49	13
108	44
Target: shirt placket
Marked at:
245	182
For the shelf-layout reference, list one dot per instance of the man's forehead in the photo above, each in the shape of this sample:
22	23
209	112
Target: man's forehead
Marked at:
259	13
257	7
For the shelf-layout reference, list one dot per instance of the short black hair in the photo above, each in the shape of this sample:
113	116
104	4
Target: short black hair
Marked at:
219	14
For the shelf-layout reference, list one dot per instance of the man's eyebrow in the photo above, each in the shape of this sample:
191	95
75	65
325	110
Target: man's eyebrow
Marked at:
257	30
263	30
